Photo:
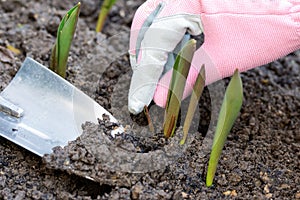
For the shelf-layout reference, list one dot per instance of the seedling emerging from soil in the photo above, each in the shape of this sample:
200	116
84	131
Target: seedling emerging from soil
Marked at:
230	109
197	92
180	72
105	8
61	48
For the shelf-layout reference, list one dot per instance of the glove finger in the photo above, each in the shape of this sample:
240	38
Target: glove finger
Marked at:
146	12
159	40
151	10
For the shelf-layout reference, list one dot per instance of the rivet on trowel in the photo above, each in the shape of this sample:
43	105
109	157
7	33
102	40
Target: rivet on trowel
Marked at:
10	108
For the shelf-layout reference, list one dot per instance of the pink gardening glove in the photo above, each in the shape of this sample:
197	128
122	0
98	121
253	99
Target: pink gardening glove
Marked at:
239	34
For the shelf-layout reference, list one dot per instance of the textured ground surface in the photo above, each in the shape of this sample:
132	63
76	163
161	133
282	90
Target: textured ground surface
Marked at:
260	159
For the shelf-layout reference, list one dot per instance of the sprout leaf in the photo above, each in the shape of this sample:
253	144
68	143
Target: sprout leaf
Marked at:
230	109
197	92
61	48
180	72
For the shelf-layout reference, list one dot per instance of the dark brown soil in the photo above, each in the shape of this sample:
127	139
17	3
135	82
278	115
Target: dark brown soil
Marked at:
260	159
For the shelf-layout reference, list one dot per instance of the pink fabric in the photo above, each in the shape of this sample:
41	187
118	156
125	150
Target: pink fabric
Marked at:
240	36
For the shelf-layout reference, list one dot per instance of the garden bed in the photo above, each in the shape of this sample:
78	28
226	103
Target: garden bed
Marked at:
260	159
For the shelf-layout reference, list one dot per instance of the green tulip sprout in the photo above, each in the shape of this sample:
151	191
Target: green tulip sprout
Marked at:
197	92
61	48
180	72
105	8
230	109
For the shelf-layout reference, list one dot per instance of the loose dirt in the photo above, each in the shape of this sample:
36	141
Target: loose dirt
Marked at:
260	159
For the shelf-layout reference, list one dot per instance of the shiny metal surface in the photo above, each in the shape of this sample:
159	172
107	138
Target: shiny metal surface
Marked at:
54	109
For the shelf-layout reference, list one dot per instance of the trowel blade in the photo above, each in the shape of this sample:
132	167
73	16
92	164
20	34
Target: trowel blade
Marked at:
53	109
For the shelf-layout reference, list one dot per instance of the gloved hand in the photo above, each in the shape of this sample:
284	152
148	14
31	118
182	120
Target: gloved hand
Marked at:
238	34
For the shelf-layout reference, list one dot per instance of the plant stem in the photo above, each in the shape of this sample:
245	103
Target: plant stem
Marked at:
105	8
146	111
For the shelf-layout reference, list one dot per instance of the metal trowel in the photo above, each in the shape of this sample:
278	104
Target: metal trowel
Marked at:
40	110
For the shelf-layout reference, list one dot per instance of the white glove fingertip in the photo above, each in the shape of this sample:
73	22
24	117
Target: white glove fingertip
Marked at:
135	106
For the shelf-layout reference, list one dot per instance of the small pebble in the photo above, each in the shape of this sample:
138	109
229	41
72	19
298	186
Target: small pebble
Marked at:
264	177
284	187
269	195
184	195
136	190
264	81
266	189
232	193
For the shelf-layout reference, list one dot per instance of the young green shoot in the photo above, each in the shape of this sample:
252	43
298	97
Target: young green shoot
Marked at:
105	8
197	92
61	48
180	72
230	109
